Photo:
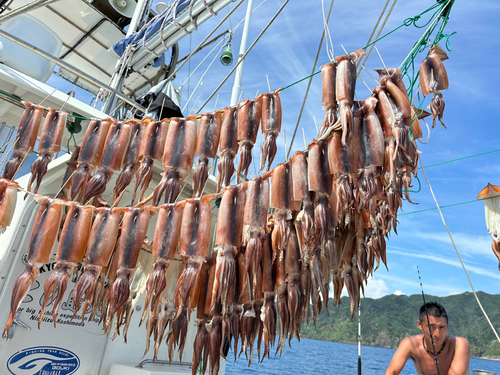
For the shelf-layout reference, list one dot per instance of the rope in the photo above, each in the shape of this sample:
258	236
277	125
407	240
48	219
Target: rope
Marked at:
379	32
458	254
310	78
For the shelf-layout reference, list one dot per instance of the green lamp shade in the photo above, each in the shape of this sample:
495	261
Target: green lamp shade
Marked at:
227	56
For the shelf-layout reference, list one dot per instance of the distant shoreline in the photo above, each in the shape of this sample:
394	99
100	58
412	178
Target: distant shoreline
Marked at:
487	357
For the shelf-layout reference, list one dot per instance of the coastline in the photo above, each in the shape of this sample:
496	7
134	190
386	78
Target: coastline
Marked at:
487	357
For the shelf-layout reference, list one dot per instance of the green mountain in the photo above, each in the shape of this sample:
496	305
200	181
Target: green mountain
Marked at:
385	322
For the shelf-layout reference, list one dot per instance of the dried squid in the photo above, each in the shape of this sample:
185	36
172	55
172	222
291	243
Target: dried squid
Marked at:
166	238
271	127
254	226
193	248
42	241
345	87
328	78
133	233
433	79
228	240
25	138
249	116
131	161
90	155
152	146
8	200
114	152
70	251
206	148
178	156
49	144
283	203
102	241
268	314
228	146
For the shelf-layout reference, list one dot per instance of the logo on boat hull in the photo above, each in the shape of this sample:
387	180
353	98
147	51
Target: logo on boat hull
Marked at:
43	360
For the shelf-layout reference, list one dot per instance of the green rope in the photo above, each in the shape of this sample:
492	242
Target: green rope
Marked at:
405	191
462	158
445	206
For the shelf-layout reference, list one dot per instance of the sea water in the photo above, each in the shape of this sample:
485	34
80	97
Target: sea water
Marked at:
322	357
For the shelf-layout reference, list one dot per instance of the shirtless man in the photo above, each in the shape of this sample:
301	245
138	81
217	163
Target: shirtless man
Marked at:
453	353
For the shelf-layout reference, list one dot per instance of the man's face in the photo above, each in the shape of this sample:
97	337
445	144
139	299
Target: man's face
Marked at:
439	329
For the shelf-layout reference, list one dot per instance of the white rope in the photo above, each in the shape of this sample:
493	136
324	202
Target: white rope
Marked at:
329	52
458	254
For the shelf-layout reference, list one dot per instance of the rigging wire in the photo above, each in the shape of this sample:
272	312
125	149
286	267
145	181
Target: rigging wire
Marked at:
458	254
244	55
310	80
373	32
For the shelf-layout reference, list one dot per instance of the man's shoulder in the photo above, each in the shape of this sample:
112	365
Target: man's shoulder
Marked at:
411	342
461	342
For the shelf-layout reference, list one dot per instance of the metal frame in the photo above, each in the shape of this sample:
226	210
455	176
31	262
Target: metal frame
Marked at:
70	68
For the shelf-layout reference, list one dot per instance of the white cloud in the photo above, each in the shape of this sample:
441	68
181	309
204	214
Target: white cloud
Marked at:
376	288
399	293
455	263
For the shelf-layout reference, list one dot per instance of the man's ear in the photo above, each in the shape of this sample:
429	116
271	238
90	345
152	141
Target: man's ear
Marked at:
419	324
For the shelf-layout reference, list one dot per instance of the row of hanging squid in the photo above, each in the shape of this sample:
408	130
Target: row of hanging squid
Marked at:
282	238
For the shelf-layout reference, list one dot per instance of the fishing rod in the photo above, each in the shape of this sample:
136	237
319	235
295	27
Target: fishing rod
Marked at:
428	323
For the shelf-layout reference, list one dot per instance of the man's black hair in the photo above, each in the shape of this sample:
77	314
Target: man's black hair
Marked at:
433	309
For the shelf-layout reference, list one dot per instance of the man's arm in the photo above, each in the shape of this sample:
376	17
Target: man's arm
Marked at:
461	359
400	358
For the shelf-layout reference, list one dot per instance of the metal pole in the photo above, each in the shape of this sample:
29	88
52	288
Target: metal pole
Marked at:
136	18
69	67
239	72
26	8
359	338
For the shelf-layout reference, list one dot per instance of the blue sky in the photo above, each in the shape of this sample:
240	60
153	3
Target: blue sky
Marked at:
286	54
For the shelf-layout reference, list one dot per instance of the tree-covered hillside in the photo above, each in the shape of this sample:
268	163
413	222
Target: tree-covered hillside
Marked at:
388	320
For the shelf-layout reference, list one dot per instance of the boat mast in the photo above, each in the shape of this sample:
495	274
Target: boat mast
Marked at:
235	95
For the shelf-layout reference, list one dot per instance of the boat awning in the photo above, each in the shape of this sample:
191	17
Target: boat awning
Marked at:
86	35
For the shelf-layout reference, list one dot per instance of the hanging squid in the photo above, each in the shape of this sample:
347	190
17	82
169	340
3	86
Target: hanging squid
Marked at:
115	149
344	164
371	151
320	182
178	156
101	244
254	226
294	289
302	195
206	148
328	78
282	305
133	232
131	161
345	87
228	240
48	145
90	155
25	138
228	146
151	149
193	247
433	79
8	200
268	315
271	127
249	116
42	241
71	167
137	283
166	238
70	251
201	343
283	203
